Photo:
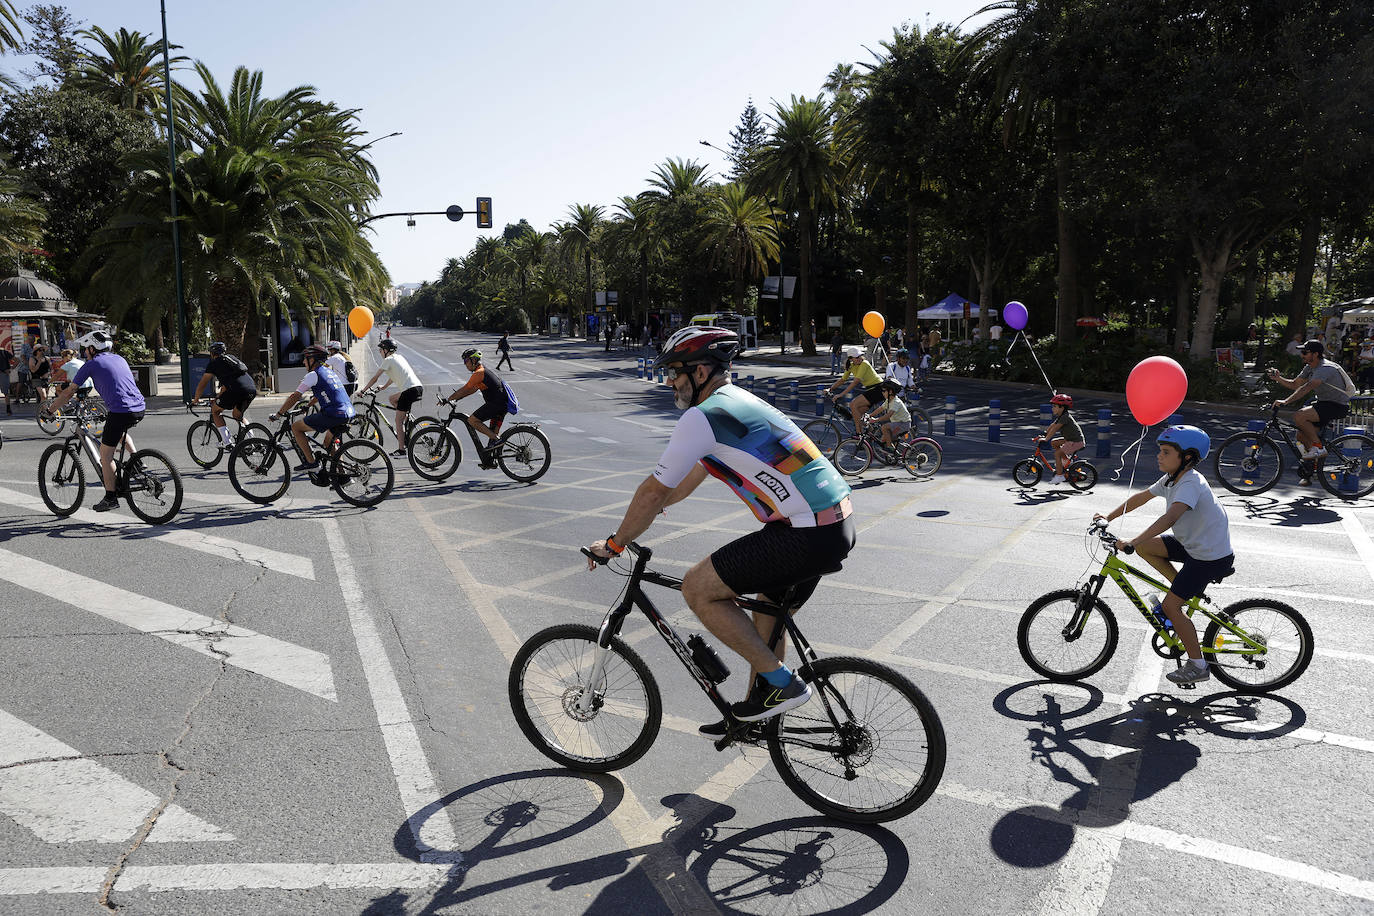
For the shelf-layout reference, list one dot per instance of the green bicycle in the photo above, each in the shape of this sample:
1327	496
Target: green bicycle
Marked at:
1071	633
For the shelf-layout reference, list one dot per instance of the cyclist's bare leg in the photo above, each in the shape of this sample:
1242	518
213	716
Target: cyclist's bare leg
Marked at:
298	430
1306	421
714	604
107	465
217	414
856	410
400	419
482	428
1156	554
763	624
1183	626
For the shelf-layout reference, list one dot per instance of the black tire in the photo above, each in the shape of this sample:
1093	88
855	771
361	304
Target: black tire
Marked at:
824	434
61	479
884	760
203	444
1026	473
547	678
52	425
922	456
921	424
1281	629
152	484
1347	471
1082	475
259	471
361	473
434	452
362	426
524	453
1248	463
1047	649
255	431
852	456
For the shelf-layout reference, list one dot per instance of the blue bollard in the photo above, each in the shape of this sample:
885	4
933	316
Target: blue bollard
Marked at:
820	401
995	420
749	383
794	395
773	392
639	367
949	415
1104	432
734	378
660	375
1046	415
1256	426
1350	483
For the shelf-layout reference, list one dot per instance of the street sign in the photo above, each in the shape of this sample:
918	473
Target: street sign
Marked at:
770	288
484	213
455	213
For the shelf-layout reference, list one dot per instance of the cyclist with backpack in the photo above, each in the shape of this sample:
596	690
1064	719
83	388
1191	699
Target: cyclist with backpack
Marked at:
236	387
497	401
343	367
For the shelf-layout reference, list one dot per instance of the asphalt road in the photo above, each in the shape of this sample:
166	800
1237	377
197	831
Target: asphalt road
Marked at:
302	708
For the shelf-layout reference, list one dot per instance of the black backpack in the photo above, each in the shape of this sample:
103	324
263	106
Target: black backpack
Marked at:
350	372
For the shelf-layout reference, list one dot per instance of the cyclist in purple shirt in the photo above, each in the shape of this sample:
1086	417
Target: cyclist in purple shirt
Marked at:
114	381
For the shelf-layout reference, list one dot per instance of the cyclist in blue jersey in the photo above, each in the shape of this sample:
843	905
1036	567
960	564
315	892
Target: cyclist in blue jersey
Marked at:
328	390
780	474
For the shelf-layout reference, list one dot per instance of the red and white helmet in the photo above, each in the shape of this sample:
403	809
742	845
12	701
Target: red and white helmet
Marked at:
1063	400
697	344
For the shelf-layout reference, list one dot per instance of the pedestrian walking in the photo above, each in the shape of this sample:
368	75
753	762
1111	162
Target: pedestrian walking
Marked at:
6	364
503	347
836	351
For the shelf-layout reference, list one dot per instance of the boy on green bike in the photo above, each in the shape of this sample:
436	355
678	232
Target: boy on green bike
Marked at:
1201	541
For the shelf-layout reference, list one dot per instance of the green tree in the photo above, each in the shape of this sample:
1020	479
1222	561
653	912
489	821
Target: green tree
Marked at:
53	41
577	241
21	216
740	231
746	141
124	69
635	230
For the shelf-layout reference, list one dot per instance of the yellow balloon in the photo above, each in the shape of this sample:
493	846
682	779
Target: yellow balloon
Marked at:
360	320
874	324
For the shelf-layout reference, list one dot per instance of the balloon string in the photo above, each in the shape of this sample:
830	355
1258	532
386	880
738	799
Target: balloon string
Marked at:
1116	475
1021	335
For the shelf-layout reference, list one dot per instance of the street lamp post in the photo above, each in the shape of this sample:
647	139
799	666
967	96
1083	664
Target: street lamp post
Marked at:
182	350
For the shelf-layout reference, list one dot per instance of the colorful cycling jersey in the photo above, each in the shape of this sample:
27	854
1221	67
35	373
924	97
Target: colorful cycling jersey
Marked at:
758	453
328	391
864	372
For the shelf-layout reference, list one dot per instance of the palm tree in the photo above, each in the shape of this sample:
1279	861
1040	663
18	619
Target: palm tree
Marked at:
125	70
740	231
575	240
675	178
11	36
635	229
804	168
21	216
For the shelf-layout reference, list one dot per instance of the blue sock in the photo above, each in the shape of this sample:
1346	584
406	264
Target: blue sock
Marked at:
780	678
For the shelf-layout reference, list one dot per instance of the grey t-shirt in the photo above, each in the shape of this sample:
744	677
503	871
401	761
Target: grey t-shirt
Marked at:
1202	530
1332	378
1068	427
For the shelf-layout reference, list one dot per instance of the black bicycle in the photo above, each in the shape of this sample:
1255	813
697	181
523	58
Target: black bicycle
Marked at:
829	431
357	469
868	746
204	444
1250	463
147	478
522	450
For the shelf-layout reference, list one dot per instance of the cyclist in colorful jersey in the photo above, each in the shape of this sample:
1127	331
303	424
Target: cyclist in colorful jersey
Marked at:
408	387
328	390
236	387
779	473
859	371
495	401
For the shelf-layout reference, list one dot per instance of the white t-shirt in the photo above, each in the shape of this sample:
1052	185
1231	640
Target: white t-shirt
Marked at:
400	373
71	367
902	374
339	364
1202	530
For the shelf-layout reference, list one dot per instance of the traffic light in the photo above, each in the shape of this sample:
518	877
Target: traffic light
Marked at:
484	213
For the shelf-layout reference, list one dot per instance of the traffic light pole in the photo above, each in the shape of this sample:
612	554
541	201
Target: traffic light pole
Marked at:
454	213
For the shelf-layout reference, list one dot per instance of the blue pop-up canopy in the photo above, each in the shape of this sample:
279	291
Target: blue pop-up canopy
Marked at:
952	306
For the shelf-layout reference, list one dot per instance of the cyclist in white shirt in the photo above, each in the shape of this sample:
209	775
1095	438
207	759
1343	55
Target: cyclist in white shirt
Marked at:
409	389
900	371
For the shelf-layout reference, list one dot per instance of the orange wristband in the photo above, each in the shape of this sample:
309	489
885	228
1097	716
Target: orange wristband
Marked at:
612	546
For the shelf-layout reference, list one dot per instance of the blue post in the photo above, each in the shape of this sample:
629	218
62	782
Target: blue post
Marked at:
773	392
660	375
749	383
794	395
1046	415
734	378
949	415
1104	432
1350	483
820	401
995	420
639	367
1256	426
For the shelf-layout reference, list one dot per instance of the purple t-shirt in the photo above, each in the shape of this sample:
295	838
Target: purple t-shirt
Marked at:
114	381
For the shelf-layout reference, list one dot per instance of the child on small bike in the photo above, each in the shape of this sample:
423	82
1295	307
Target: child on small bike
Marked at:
1201	539
1066	445
892	413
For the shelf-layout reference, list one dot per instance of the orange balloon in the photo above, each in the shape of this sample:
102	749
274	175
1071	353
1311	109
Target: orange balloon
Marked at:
874	324
360	320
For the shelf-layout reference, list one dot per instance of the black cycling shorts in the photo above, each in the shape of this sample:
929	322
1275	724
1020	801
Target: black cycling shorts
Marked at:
776	557
490	413
872	395
1330	410
116	425
1195	575
406	399
235	399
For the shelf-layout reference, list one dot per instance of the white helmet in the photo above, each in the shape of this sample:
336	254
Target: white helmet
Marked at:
335	345
853	352
100	340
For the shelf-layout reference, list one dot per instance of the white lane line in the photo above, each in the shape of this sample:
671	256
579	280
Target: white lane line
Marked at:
443	370
434	836
283	662
603	439
1364	547
53	790
224	877
275	560
571	429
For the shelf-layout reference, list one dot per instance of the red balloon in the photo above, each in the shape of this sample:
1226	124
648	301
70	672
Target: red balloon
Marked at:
1155	388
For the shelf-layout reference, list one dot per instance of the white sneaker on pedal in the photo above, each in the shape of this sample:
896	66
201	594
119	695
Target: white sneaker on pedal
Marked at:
1314	453
1056	481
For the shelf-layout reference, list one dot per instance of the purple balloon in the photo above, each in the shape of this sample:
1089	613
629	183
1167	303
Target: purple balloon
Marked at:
1015	315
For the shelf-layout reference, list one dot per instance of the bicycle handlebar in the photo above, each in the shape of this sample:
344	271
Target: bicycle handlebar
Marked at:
1098	527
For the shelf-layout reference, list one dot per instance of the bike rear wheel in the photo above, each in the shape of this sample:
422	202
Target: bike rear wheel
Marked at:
868	747
52	425
259	471
1081	475
61	479
1283	632
1058	643
1248	463
920	421
551	673
1026	473
852	456
824	434
1347	471
362	426
203	444
523	453
922	457
434	452
361	473
153	486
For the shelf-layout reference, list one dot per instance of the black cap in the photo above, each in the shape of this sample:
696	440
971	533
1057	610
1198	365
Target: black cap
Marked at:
1314	346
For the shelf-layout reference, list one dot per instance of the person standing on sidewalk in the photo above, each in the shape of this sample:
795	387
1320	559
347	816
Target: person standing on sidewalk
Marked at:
7	362
836	351
503	347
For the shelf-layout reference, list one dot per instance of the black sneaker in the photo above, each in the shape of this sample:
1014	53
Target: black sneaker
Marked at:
714	730
399	453
105	505
310	468
773	701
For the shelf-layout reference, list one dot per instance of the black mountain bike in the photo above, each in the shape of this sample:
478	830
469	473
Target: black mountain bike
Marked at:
827	432
868	746
147	479
1250	463
522	450
358	469
204	444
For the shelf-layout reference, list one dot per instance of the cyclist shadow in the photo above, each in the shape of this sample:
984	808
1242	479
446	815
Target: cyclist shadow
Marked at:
1030	497
1145	749
1300	512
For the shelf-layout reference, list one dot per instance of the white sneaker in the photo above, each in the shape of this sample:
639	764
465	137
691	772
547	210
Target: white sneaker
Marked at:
1314	453
1056	480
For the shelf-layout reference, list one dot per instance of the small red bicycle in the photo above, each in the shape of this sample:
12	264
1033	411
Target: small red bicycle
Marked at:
1080	474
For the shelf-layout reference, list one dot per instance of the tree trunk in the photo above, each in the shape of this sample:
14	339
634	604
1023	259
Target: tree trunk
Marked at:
227	310
1066	306
1300	307
591	297
913	267
1250	293
803	283
1213	260
1183	306
739	293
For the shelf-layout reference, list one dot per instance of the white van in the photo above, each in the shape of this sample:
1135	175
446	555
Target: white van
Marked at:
746	326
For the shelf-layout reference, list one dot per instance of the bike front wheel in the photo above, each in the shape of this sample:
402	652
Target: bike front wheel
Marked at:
259	471
920	421
1283	633
524	454
1026	473
51	424
362	426
203	444
1067	635
868	747
1081	475
1347	471
1248	463
551	676
922	457
852	456
153	486
61	479
361	473
823	434
434	452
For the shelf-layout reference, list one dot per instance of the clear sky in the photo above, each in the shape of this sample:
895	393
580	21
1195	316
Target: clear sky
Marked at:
536	104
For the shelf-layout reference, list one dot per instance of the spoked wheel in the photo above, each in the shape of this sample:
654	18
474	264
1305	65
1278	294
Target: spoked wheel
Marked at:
203	444
1081	475
1062	644
920	421
923	457
52	425
61	479
1248	463
93	413
361	473
259	471
550	678
1281	631
434	452
868	747
1347	471
153	485
852	456
524	453
824	434
362	426
1026	473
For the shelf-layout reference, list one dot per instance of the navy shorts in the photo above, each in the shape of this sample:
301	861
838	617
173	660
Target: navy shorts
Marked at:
323	422
1330	410
776	557
116	425
1195	575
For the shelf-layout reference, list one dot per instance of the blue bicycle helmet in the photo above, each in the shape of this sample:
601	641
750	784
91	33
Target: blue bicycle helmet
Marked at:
218	348
1186	439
